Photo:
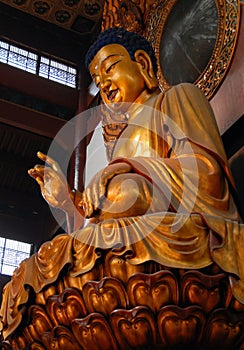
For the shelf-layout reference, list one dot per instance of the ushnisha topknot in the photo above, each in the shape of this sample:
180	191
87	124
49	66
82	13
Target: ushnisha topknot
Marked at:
131	41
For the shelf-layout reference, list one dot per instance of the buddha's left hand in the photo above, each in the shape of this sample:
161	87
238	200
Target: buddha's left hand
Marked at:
94	193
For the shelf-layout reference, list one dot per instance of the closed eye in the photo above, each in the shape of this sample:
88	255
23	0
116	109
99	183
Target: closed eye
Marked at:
111	66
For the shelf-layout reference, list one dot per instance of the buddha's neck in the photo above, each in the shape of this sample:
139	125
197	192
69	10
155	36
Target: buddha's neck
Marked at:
142	99
146	95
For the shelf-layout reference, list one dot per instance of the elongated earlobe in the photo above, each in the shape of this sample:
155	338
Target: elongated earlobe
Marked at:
146	68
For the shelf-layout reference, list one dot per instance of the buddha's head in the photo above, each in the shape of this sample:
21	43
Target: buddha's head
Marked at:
123	65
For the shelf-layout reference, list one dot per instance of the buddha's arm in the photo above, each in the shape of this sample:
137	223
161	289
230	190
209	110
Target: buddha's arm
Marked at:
188	182
76	205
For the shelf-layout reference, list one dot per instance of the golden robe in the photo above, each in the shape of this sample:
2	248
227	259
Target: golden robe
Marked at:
172	141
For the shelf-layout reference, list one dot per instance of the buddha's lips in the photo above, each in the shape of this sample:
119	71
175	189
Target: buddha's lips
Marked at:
111	94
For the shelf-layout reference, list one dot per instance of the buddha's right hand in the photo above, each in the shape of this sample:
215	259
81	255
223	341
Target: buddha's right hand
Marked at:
95	193
53	184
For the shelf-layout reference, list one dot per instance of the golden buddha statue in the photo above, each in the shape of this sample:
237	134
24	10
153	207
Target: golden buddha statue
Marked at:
163	203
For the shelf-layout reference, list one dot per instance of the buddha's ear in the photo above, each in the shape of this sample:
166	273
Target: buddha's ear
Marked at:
146	67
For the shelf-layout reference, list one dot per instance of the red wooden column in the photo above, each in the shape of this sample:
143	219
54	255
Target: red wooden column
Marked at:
78	159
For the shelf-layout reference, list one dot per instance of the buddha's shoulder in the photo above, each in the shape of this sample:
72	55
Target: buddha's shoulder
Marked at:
183	88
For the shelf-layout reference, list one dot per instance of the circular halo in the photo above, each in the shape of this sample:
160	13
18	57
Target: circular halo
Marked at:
220	49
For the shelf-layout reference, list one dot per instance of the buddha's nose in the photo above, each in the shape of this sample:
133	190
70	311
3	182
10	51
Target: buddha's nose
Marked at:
105	84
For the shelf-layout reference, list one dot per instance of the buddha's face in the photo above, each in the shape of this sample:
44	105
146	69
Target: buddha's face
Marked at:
118	78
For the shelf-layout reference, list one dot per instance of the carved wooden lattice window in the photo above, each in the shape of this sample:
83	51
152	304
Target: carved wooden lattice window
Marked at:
38	64
58	72
18	58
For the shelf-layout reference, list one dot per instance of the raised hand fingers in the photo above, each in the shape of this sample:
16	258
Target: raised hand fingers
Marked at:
53	164
37	173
